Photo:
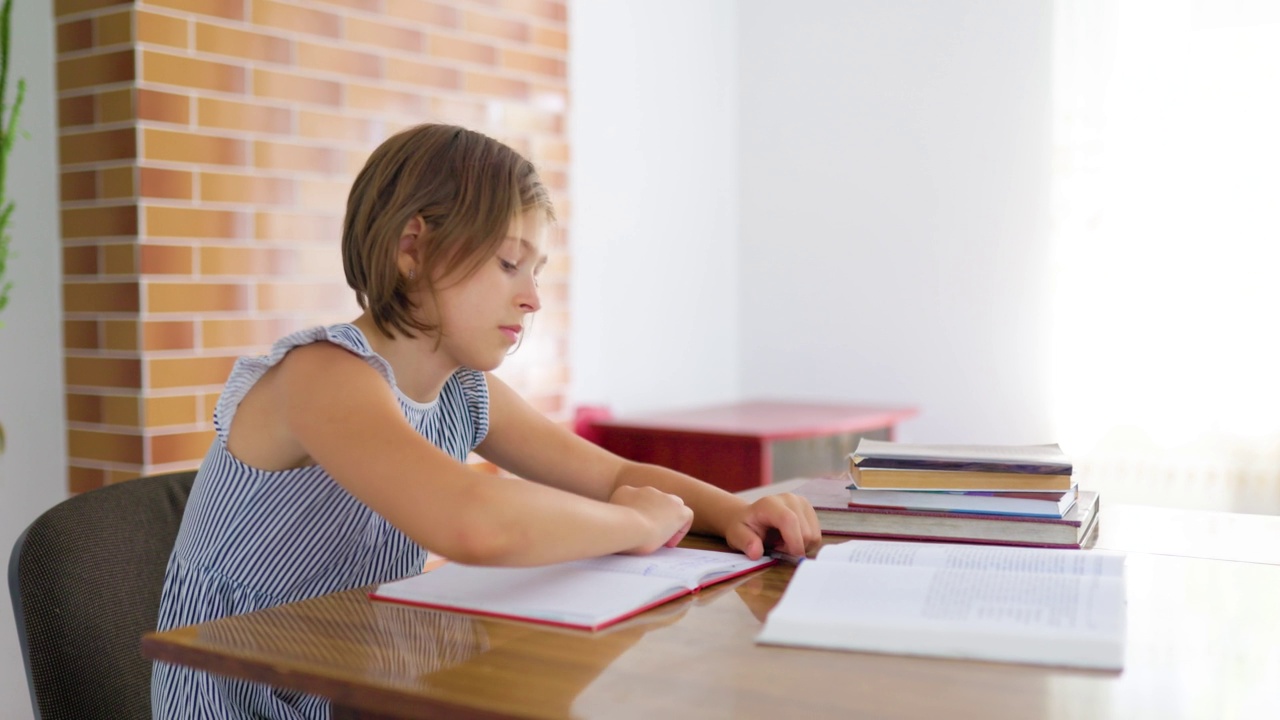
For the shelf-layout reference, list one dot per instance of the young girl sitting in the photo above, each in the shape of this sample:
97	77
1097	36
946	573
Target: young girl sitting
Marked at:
339	457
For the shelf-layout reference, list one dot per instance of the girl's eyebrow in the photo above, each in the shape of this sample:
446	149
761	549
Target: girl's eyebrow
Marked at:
527	247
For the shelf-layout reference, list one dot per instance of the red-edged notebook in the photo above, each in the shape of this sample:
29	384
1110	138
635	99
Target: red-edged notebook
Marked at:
586	594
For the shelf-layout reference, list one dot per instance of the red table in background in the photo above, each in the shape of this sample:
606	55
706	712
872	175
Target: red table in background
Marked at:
749	444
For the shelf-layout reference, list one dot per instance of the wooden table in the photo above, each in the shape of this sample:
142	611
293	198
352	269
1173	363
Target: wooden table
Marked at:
1203	642
749	444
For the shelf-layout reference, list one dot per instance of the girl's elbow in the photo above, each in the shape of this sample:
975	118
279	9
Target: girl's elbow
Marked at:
481	528
484	543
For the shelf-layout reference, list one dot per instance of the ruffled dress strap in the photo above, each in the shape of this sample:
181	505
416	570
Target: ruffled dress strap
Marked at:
249	370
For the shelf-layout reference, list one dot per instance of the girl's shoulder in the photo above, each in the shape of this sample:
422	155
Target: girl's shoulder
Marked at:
344	335
248	370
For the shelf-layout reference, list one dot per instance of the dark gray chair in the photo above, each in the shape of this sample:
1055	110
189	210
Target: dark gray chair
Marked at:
85	579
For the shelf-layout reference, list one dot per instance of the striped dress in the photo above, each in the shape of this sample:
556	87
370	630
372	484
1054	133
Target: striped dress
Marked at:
252	539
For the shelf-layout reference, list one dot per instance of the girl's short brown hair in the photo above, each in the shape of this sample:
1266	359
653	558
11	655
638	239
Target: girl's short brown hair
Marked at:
466	187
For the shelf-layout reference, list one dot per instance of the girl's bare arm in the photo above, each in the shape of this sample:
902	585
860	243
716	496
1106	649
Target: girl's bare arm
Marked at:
525	442
346	418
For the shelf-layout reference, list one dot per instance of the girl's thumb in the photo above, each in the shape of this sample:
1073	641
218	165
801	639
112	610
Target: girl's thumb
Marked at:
748	542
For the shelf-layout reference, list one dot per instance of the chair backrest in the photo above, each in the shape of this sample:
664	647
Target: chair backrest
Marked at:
85	579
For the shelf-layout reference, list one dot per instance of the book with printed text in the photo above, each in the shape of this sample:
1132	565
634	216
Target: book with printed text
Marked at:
586	594
1020	605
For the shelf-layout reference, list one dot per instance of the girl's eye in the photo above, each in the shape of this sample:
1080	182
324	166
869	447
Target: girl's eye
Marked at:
507	265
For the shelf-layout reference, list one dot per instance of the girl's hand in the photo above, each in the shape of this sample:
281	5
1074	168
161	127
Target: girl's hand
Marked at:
666	515
783	522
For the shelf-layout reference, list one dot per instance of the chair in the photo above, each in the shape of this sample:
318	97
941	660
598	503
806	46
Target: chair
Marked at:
85	579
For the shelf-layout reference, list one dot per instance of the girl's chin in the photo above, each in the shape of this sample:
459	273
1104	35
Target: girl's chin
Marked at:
488	364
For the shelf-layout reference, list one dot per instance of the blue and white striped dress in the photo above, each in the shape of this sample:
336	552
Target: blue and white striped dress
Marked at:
253	539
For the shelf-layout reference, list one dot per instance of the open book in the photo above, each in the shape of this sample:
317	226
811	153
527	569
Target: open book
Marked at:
589	594
1024	605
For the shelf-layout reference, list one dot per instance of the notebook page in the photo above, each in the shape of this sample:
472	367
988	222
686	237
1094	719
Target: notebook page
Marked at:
689	567
558	593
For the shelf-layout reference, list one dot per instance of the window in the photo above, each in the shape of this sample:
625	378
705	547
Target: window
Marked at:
1167	248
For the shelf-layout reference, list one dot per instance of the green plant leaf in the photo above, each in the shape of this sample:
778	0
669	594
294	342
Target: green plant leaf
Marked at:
9	132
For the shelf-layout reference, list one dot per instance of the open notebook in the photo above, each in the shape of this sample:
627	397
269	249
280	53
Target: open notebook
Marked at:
588	594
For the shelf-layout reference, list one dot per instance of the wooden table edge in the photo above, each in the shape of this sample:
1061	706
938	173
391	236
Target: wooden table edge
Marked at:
346	702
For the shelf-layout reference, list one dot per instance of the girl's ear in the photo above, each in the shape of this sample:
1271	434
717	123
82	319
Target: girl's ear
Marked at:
410	242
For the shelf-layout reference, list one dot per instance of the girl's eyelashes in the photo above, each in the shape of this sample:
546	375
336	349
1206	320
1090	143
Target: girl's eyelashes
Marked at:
512	268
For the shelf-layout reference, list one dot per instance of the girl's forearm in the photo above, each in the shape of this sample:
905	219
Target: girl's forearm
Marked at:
712	507
508	521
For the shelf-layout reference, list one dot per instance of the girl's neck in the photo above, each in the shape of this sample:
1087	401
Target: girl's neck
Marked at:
420	369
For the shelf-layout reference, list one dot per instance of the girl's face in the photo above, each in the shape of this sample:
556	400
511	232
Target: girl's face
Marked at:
484	315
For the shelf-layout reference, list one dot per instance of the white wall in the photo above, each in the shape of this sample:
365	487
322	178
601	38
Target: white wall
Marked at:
895	184
653	97
890	239
887	241
33	469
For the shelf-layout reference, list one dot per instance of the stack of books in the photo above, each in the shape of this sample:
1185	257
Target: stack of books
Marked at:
1000	495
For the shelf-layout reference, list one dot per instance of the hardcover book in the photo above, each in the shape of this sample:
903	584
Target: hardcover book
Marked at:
1028	459
876	464
980	502
837	517
586	594
904	479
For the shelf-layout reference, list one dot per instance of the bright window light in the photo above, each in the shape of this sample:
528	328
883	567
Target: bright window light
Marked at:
1167	232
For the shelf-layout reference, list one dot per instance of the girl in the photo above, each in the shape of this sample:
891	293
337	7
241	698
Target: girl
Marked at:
339	456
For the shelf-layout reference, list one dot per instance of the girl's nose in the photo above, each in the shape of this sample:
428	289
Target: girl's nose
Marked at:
530	301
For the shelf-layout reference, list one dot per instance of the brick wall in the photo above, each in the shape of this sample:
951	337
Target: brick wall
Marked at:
206	149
